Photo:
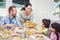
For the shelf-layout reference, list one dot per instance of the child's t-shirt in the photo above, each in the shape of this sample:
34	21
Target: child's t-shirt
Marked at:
45	30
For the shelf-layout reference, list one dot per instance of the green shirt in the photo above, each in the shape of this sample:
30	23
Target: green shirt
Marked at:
22	16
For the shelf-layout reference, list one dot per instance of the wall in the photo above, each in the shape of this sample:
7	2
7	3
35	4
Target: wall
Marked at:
43	9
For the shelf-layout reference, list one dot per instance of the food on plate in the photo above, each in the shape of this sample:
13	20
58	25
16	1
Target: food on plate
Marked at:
20	28
30	24
15	35
10	32
38	36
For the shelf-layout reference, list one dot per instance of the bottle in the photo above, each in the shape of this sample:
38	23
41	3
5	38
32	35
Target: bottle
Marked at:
5	33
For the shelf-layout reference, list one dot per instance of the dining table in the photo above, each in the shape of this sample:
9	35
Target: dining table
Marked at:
22	33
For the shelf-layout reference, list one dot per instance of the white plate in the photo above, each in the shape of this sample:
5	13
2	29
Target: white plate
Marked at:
34	37
20	31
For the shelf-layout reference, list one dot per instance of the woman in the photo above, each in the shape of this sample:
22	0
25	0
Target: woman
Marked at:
26	14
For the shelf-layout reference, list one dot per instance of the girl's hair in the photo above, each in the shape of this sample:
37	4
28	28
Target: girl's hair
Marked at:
28	4
46	22
23	9
56	26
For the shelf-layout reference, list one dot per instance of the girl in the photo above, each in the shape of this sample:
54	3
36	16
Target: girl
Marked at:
54	31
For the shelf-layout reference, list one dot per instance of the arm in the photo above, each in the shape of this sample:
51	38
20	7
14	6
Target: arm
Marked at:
18	22
32	17
12	26
20	18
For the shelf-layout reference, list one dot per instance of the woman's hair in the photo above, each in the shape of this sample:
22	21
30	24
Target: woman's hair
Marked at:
46	22
28	4
56	26
23	9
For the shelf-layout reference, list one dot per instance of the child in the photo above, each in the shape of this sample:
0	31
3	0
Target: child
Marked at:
54	31
44	27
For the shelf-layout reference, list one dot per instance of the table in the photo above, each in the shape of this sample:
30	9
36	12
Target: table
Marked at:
31	37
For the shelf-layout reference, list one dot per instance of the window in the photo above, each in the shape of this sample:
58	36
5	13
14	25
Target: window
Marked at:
20	3
2	3
57	6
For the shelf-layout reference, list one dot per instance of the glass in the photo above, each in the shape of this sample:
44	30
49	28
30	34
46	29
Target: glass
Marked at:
30	32
4	34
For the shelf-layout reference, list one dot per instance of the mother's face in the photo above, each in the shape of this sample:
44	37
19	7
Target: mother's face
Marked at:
28	9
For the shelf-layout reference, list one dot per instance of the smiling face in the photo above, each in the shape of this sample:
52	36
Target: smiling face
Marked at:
28	9
13	12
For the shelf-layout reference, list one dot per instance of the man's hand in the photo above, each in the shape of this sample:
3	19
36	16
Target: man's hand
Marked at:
12	26
22	21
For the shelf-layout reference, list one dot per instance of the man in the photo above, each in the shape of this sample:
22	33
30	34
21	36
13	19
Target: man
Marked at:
11	20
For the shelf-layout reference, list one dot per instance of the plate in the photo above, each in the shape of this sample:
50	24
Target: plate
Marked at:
39	37
20	30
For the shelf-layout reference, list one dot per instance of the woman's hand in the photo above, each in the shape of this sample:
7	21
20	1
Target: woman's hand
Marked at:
22	20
